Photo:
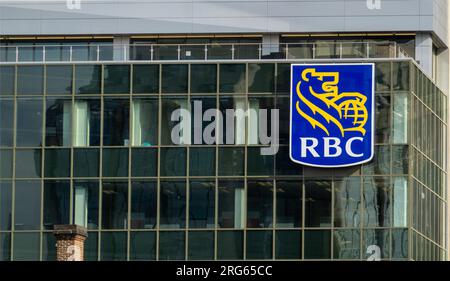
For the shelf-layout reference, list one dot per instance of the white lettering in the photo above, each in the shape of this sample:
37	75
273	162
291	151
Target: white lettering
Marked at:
335	146
348	147
311	148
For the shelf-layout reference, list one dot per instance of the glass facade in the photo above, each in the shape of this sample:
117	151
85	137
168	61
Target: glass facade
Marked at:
93	145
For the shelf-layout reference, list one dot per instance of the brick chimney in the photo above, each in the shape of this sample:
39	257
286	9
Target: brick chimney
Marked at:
70	242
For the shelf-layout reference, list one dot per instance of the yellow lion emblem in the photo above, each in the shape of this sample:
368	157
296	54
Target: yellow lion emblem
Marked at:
349	106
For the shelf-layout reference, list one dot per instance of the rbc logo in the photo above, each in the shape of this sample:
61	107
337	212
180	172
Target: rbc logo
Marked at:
332	107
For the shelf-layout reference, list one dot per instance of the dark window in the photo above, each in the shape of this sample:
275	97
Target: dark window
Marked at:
7	74
289	204
380	164
377	201
117	79
261	78
30	80
230	245
142	246
58	122
383	76
317	244
57	163
346	244
232	78
114	205
114	246
144	162
28	163
48	247
5	207
115	162
283	78
201	245
28	193
231	161
87	79
347	202
6	163
116	122
259	164
201	204
173	162
29	122
173	204
91	247
382	118
5	247
202	161
400	244
145	79
26	247
288	244
86	202
143	204
317	204
86	162
56	203
203	78
259	204
231	204
174	78
6	122
171	245
259	245
59	79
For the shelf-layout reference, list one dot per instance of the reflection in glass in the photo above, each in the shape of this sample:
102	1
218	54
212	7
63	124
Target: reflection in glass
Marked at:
201	204
145	122
317	203
116	79
91	247
86	122
171	245
346	244
142	246
201	245
59	79
29	122
116	122
383	76
173	162
28	193
259	204
230	245
347	202
201	128
174	78
173	204
143	204
56	203
255	123
58	122
400	244
85	203
380	164
283	78
145	79
400	118
203	78
26	247
289	204
114	246
382	118
28	163
400	73
378	238
5	206
317	244
234	110
48	247
288	244
259	245
232	78
57	163
87	79
114	205
231	204
30	80
6	122
400	159
400	202
377	202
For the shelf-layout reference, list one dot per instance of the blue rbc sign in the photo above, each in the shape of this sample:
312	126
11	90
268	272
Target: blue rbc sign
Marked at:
332	114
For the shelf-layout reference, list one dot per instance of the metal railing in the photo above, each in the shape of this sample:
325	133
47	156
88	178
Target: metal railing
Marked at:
212	51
